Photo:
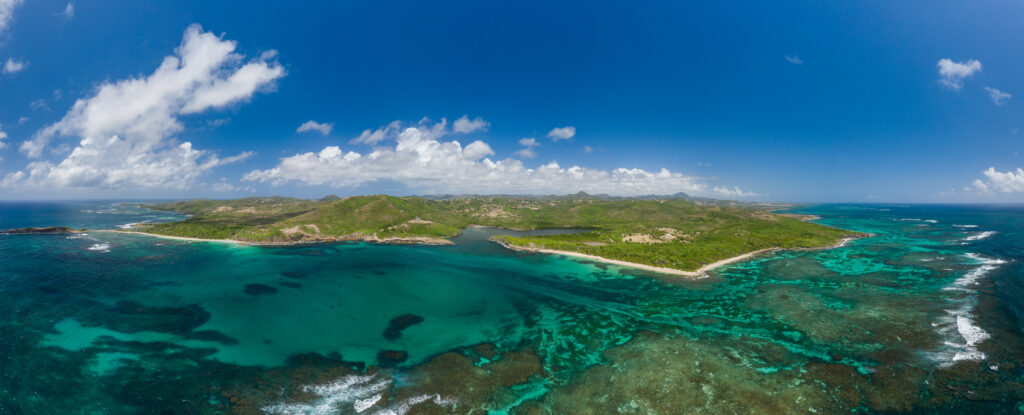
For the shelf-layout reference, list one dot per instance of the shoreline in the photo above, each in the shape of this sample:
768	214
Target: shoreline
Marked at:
699	273
410	240
432	241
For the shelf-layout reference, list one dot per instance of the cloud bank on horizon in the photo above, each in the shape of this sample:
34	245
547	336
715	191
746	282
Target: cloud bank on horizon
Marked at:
126	130
421	160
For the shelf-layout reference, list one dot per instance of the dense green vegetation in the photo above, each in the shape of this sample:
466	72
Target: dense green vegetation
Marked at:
673	233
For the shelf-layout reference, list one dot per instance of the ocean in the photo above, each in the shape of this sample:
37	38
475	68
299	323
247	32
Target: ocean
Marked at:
925	316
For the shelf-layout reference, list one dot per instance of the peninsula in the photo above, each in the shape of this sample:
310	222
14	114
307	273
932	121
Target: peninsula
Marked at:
673	234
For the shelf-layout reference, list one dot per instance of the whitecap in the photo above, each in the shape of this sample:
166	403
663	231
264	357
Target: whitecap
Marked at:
965	226
403	407
931	221
353	389
361	405
980	236
362	392
100	247
957	326
984	260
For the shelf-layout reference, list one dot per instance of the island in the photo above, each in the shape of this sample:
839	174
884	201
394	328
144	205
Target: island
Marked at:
672	234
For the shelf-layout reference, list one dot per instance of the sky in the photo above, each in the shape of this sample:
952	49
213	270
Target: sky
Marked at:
798	101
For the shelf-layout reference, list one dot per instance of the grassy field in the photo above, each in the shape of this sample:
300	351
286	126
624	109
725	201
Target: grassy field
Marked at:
672	233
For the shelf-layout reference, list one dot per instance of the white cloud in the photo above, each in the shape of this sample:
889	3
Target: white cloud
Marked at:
528	142
323	128
23	120
1003	182
734	192
562	133
998	97
125	128
464	125
794	60
13	66
3	136
954	73
39	104
527	153
7	13
69	10
372	137
429	165
588	149
430	129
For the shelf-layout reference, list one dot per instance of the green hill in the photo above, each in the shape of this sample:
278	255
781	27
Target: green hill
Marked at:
673	233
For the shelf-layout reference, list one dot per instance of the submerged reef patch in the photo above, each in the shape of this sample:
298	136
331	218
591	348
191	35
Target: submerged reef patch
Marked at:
397	324
259	289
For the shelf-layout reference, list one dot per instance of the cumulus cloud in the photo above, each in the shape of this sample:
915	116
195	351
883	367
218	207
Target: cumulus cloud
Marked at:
430	165
428	127
323	128
7	13
998	97
562	133
527	153
372	137
125	128
733	192
953	73
528	142
3	136
464	125
1002	182
794	60
527	150
13	66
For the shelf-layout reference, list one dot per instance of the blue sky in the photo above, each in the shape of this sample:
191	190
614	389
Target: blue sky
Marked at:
783	101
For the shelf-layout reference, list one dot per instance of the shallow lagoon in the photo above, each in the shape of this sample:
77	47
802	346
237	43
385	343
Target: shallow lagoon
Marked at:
925	316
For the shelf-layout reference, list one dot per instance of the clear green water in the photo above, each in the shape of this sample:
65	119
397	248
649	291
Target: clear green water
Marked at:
926	317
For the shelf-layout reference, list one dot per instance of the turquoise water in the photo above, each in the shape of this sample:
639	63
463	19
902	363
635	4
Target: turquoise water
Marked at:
926	316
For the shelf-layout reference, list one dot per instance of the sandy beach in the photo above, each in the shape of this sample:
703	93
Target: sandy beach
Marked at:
372	238
700	272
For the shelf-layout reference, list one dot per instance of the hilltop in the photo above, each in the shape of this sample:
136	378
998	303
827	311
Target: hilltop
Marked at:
675	233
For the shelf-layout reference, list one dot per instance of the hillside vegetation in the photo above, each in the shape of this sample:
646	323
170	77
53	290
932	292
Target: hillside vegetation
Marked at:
672	233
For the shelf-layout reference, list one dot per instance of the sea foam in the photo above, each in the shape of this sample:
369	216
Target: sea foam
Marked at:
100	247
362	392
980	236
957	326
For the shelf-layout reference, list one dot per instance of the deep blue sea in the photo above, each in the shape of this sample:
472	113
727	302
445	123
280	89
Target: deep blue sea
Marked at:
926	316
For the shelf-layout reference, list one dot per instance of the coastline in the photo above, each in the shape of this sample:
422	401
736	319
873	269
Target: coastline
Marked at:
409	240
699	273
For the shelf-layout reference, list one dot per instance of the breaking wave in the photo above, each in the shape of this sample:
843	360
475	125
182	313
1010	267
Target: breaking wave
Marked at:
980	236
961	334
360	392
100	247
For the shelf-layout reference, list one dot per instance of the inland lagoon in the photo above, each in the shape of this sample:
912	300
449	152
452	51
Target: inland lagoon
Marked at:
924	316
